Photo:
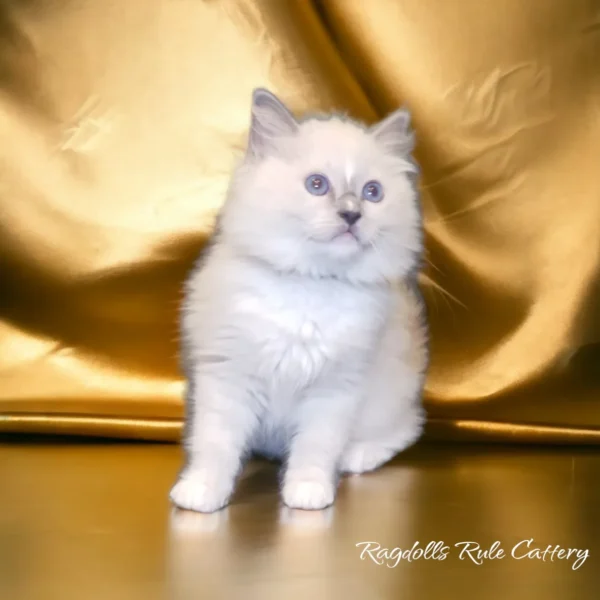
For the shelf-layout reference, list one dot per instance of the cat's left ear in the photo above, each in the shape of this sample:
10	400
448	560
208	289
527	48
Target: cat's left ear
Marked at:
395	132
271	120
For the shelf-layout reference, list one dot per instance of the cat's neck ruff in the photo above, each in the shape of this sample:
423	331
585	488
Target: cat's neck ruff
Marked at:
267	267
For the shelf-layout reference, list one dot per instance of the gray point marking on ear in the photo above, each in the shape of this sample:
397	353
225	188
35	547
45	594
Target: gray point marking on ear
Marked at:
395	132
271	119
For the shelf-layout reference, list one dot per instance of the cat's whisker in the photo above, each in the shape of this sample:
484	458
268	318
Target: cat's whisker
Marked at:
431	283
431	264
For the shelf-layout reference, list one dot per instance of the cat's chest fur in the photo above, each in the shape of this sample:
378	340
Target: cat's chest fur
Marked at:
294	327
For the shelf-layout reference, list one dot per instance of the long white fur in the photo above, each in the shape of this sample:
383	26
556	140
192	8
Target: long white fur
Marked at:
300	343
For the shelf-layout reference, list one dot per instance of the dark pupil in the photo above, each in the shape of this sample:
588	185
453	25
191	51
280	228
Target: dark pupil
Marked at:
372	190
317	182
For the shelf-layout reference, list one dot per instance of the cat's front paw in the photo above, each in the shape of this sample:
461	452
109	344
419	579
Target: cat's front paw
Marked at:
201	491
308	492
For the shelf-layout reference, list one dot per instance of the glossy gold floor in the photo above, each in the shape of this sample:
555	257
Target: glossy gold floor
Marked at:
92	522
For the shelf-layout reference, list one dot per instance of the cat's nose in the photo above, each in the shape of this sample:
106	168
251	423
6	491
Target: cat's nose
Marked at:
350	216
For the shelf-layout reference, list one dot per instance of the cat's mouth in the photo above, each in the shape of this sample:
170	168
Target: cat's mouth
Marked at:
348	237
350	234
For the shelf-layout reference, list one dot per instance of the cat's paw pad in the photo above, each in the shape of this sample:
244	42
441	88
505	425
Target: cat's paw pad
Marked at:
201	492
362	458
308	493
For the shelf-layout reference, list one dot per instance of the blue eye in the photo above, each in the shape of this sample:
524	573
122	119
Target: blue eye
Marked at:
372	191
317	184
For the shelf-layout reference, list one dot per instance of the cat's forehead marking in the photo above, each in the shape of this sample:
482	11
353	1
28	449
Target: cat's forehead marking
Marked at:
349	171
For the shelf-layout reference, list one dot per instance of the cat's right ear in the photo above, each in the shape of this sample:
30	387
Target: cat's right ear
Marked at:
271	120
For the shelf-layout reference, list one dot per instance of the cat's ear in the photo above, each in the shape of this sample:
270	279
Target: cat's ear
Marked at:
395	132
271	120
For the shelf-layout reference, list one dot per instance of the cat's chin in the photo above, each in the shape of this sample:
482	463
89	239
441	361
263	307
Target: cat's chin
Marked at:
342	246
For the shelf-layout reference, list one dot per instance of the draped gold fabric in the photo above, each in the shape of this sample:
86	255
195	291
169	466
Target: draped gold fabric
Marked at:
120	123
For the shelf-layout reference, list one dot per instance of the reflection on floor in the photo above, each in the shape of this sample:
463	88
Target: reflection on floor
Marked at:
92	522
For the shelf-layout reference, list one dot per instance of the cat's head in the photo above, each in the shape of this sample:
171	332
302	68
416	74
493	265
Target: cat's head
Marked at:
326	196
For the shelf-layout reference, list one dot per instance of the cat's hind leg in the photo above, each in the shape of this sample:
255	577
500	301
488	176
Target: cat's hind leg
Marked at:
392	414
363	455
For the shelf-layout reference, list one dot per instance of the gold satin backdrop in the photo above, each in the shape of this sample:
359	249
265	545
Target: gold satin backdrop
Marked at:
120	123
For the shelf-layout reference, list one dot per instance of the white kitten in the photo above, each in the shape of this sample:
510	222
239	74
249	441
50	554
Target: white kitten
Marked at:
304	335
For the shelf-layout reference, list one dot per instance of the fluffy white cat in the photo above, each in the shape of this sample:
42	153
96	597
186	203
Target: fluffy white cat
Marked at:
304	336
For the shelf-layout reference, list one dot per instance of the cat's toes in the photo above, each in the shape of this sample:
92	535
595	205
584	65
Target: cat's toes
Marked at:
308	493
362	458
201	491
